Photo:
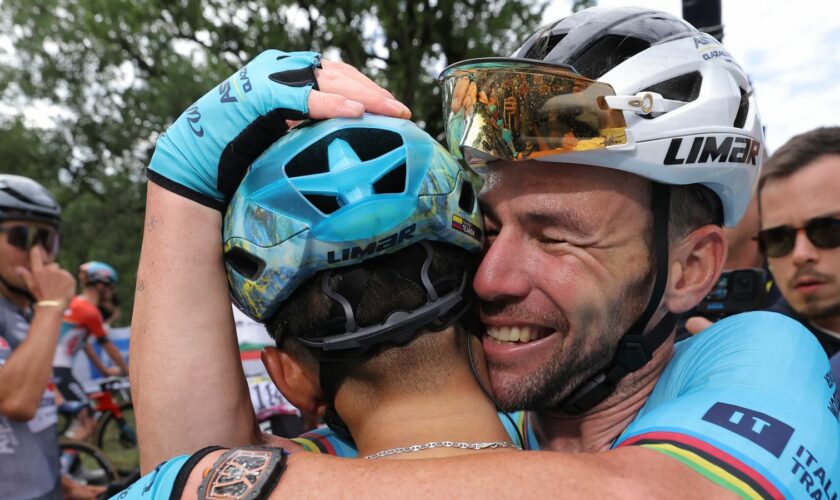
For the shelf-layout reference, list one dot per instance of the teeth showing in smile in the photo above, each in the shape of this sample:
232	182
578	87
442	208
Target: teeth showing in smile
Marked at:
522	334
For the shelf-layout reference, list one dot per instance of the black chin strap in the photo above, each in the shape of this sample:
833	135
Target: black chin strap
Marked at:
17	291
635	349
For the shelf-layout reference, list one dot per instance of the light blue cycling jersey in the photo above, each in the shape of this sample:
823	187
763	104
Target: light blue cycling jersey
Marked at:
751	404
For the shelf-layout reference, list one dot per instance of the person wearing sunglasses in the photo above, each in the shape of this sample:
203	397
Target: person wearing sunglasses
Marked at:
34	292
799	202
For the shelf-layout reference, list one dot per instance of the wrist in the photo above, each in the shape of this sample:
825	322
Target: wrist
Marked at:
59	304
49	310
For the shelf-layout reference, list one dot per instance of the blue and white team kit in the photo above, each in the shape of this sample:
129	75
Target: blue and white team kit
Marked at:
750	404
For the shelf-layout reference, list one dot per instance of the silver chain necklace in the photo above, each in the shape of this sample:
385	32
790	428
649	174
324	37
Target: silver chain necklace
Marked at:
443	444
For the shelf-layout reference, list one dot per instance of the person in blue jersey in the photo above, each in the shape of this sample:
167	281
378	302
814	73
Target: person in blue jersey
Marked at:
614	145
359	265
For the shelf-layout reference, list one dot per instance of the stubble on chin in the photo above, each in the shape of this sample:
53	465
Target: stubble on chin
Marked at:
814	310
583	354
578	358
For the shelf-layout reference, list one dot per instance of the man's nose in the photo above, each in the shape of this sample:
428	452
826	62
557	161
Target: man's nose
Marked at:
503	272
804	252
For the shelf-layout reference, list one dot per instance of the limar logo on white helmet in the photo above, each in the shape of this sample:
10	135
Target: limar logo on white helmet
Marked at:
713	148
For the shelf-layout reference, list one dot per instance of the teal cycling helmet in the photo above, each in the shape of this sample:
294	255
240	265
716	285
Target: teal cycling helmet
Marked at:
335	193
98	272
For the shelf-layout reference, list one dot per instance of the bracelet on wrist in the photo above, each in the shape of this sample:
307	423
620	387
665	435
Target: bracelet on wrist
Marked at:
50	303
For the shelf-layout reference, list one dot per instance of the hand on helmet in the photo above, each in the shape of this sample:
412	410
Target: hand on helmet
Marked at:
204	154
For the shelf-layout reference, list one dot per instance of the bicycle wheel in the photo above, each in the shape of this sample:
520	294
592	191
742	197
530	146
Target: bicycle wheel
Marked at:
118	439
85	463
63	423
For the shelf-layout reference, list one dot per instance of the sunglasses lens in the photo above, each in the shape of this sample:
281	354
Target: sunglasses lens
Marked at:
19	237
777	241
26	237
824	232
519	110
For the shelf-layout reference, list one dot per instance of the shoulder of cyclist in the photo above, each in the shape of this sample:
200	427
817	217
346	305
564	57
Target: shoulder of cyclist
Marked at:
750	398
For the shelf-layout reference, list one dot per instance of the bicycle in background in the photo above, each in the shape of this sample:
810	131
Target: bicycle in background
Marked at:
115	433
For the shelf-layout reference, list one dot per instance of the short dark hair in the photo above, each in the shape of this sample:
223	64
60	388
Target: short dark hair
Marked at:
384	284
800	151
692	206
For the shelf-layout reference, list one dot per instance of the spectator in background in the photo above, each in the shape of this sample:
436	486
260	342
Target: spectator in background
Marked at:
799	207
81	321
110	309
34	292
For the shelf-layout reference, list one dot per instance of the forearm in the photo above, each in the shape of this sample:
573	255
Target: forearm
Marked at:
115	355
95	359
627	473
493	475
28	370
187	380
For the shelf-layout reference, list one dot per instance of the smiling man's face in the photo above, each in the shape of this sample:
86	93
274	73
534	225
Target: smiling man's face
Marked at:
568	269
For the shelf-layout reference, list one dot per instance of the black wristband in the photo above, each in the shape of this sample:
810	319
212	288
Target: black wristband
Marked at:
186	469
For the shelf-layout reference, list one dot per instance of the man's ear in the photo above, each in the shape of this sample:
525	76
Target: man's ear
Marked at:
695	266
296	379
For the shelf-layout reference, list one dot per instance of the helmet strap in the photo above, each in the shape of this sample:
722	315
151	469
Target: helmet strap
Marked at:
635	349
354	342
345	338
329	382
17	291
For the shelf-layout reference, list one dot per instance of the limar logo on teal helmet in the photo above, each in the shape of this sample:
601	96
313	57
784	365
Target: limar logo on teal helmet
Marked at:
335	193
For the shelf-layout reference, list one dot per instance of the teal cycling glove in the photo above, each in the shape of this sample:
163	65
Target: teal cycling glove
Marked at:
205	153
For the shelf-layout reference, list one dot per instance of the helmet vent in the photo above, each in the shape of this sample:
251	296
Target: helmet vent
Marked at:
606	54
326	203
684	88
392	182
244	263
467	199
543	46
367	143
743	109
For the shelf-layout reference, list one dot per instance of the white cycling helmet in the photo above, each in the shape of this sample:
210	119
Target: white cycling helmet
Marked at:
626	88
630	89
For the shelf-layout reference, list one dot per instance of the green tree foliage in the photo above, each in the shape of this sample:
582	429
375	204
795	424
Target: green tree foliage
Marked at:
120	71
578	5
102	217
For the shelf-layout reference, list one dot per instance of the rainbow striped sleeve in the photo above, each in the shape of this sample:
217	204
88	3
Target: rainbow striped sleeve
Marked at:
323	441
709	461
